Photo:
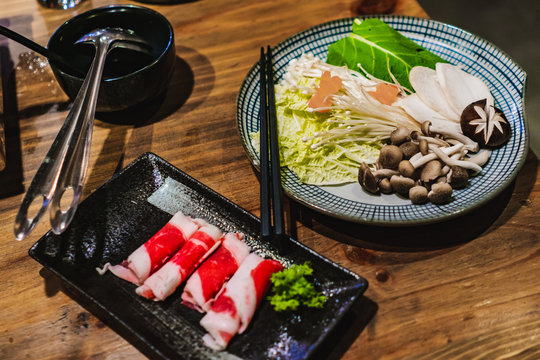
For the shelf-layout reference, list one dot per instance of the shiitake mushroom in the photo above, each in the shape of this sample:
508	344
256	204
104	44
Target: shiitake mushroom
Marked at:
485	124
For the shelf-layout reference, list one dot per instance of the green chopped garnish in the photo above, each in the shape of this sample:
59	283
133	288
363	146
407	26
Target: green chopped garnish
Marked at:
291	289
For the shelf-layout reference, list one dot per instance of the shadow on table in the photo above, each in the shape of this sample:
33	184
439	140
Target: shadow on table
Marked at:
404	238
452	232
340	339
182	86
11	176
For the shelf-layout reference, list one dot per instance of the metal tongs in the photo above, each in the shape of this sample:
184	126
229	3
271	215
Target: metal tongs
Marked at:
63	171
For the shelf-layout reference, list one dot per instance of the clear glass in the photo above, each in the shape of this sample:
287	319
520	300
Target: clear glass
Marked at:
59	4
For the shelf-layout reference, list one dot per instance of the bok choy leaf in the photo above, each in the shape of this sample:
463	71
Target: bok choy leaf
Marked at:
378	48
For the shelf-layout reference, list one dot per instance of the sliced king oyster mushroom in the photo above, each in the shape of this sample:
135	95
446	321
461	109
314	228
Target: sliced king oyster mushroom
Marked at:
442	94
425	82
485	124
415	107
461	88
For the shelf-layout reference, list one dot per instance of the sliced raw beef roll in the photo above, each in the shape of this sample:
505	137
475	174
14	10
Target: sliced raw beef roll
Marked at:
236	303
208	279
197	248
151	255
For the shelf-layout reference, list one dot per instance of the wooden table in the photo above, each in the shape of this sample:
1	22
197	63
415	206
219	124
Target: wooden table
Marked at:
463	289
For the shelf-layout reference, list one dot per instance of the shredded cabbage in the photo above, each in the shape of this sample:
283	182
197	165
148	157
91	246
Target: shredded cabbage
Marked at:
327	165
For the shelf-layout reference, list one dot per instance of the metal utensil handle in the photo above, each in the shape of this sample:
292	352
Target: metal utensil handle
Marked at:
65	164
78	165
77	161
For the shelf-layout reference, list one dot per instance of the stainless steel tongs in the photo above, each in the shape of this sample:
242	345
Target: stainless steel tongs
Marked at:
63	171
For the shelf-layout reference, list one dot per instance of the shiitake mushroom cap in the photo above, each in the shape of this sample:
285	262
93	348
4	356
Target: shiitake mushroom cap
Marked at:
493	131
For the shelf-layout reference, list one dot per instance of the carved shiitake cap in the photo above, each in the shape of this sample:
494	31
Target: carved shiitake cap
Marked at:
485	124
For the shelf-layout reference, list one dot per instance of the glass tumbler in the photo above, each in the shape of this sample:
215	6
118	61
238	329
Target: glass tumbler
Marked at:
59	4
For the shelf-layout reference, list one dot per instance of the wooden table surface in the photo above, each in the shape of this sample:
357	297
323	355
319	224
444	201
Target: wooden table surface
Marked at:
463	289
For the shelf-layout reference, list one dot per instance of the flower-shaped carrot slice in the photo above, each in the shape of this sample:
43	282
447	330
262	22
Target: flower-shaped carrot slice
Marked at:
385	93
328	86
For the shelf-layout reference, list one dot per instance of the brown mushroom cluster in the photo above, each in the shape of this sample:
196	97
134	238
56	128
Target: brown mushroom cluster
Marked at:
422	166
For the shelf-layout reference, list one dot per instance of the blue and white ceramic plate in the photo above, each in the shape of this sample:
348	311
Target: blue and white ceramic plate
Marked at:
477	56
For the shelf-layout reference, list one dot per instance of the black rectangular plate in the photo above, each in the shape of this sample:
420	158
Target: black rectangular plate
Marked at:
118	217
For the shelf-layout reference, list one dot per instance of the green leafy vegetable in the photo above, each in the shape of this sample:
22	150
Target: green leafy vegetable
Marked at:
291	289
377	47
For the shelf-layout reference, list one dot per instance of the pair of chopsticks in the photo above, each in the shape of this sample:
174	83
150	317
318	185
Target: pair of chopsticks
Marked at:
269	155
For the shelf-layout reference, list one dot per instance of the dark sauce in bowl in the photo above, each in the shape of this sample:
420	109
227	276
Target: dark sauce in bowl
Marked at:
129	77
119	62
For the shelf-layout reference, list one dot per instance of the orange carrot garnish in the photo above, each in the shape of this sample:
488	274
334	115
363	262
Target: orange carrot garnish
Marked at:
385	93
328	86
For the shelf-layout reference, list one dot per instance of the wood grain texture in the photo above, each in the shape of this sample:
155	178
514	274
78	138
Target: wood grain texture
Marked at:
461	290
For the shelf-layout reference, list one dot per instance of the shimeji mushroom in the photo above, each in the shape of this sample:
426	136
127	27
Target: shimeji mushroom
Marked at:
367	180
454	134
480	158
457	156
452	131
457	177
406	169
425	128
390	156
370	182
423	146
400	135
431	171
418	194
385	186
419	159
401	184
416	135
409	149
449	161
440	193
384	173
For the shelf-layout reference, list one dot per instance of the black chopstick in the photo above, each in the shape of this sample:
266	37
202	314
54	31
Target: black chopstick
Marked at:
270	169
60	61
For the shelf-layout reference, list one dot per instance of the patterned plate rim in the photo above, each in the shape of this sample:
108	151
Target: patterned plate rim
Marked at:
368	212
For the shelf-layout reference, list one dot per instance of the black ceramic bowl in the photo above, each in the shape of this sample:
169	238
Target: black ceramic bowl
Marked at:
129	78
